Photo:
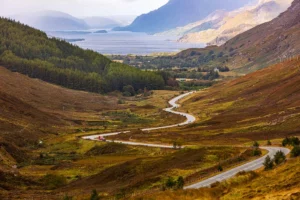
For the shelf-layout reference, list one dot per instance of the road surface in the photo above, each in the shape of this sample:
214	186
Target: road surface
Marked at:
189	119
253	165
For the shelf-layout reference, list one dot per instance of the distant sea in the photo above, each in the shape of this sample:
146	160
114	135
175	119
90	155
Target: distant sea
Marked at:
123	43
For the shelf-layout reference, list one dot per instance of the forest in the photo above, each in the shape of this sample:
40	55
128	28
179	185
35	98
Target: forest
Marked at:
31	52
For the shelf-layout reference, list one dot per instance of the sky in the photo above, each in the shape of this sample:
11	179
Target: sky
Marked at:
81	8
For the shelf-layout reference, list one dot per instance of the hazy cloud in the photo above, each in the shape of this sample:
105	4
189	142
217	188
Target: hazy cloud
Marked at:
81	7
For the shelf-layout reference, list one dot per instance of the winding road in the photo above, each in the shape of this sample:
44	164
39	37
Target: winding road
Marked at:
250	166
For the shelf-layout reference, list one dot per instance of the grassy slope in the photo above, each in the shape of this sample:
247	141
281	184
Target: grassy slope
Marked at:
33	110
281	183
260	106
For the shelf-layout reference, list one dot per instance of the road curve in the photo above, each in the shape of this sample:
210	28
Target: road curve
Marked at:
173	102
251	166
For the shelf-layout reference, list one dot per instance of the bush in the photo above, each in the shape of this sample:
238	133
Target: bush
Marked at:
256	152
295	151
279	157
268	163
255	144
269	143
95	195
293	141
220	168
52	181
170	183
180	182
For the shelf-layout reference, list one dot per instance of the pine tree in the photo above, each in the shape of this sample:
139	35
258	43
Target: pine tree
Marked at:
268	163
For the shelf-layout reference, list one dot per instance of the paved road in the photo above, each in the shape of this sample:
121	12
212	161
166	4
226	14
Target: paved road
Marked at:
189	119
251	166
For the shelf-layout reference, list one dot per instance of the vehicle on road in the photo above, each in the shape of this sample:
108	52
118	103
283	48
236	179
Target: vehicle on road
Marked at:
101	138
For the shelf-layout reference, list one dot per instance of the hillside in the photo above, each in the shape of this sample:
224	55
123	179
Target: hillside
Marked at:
235	22
32	109
31	52
101	22
281	183
261	105
178	13
256	48
52	21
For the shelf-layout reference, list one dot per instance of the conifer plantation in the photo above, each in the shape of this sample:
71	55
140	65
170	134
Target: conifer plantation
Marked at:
30	52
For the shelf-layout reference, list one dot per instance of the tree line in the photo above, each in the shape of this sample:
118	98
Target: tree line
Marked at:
30	52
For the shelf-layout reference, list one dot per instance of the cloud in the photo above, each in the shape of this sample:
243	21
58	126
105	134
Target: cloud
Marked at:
81	7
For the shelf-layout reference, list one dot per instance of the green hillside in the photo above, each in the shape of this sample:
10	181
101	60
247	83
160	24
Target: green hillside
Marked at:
31	52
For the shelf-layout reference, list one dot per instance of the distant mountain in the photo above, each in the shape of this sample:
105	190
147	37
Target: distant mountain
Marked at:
217	32
178	13
52	21
102	22
258	47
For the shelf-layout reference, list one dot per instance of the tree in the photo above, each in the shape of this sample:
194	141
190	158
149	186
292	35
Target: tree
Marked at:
256	152
268	163
285	141
255	144
180	182
129	90
95	195
295	151
220	168
170	183
279	157
293	141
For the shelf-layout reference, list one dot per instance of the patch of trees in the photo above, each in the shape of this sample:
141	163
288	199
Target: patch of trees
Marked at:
31	52
211	59
295	142
278	159
292	141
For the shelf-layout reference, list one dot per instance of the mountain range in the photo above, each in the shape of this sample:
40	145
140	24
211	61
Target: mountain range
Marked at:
218	30
179	13
258	47
59	21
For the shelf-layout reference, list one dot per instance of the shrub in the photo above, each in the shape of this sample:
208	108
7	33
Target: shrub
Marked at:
279	157
170	183
256	152
220	168
95	195
180	182
52	181
269	143
293	141
268	163
255	144
295	151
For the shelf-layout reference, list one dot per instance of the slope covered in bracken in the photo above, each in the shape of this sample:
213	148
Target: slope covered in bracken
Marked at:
261	105
32	109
